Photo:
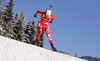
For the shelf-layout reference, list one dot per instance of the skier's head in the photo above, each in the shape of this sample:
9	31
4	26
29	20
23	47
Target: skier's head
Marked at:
48	13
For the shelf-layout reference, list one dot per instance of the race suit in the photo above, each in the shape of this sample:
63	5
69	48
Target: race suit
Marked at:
43	24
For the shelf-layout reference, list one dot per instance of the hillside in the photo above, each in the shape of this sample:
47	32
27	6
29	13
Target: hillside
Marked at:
12	50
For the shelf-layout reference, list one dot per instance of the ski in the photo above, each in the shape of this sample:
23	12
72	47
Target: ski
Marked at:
62	52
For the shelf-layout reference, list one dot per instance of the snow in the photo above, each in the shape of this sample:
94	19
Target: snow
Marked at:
12	50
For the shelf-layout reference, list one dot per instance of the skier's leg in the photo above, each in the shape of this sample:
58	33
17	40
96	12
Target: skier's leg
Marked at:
39	32
47	31
38	35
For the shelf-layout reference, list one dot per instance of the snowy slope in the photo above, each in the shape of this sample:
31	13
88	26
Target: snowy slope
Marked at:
11	50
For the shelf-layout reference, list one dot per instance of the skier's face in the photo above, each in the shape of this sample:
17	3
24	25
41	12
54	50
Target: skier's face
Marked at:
47	16
48	13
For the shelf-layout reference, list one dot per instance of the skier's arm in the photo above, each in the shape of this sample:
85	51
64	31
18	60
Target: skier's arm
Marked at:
38	12
52	18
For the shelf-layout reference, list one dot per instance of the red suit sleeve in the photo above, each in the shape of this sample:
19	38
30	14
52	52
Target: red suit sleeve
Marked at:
52	18
39	12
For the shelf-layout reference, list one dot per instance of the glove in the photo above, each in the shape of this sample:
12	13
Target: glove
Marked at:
53	48
35	16
50	22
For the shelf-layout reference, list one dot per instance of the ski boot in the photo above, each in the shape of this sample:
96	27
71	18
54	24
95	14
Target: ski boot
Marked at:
53	48
35	42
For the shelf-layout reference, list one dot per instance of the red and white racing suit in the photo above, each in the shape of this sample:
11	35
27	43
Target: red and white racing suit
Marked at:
43	24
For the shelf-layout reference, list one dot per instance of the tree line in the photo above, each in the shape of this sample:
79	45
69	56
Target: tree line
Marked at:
14	26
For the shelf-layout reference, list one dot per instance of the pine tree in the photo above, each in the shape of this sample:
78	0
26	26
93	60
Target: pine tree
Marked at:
31	31
16	16
22	27
10	18
2	22
3	10
7	20
33	37
16	19
16	26
19	28
16	30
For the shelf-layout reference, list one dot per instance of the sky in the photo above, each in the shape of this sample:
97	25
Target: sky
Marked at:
76	28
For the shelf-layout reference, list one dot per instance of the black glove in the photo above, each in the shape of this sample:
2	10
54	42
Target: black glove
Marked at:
53	48
50	22
35	16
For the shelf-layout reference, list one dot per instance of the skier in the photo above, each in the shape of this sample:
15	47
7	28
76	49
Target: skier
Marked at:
43	24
